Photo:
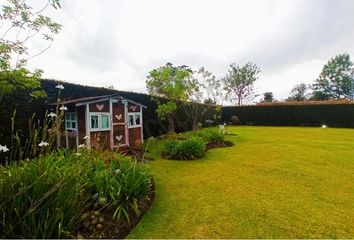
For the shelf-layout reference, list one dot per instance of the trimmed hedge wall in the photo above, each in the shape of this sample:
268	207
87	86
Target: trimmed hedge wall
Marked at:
333	115
26	106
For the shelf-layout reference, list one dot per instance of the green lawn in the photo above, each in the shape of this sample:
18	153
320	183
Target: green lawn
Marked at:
276	182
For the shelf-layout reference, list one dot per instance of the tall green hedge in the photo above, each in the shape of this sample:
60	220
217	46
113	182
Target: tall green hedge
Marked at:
334	115
26	106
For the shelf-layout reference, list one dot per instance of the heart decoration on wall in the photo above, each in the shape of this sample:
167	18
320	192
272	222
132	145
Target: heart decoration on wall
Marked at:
119	138
118	117
133	108
100	106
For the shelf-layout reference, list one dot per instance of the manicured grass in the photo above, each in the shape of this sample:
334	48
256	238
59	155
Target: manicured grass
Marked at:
276	182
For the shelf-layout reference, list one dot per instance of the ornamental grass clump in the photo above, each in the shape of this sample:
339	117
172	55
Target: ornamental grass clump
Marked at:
43	198
49	197
210	136
214	136
188	149
122	186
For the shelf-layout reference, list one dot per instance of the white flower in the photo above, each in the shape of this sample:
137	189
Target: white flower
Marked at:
51	114
59	86
82	145
78	154
3	148
63	108
324	126
87	137
43	144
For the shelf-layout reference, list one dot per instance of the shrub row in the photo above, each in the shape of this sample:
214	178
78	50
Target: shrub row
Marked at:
49	197
334	115
27	106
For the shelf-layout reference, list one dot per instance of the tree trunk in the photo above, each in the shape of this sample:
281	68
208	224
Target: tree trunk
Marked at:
194	116
194	124
171	124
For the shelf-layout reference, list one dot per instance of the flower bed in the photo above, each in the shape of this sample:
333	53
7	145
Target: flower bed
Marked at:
58	195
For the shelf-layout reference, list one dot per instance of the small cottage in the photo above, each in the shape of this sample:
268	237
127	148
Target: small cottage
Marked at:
103	122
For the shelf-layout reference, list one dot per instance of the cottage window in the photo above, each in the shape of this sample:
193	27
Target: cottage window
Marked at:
137	119
70	121
134	119
99	121
104	121
94	121
131	120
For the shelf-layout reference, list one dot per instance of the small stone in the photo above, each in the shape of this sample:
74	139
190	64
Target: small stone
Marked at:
94	221
96	213
92	216
87	224
101	219
99	226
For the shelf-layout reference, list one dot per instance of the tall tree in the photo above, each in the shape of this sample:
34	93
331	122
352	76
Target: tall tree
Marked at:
173	84
299	92
239	82
22	25
335	80
268	97
205	87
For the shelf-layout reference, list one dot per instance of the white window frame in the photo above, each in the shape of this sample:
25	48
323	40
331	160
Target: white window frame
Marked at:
70	120
99	118
134	119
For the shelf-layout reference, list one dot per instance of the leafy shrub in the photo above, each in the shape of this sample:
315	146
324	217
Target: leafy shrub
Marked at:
48	197
191	148
214	136
122	186
42	198
235	120
210	136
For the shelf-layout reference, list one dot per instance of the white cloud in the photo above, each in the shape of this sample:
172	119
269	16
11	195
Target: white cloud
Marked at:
282	81
117	42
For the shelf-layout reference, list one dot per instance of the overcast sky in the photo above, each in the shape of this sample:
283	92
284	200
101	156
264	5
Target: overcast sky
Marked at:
112	42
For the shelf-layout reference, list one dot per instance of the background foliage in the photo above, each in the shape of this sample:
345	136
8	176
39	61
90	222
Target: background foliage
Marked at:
26	106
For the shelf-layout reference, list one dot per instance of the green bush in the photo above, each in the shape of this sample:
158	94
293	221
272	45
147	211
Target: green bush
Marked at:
191	148
42	198
235	120
48	197
210	136
122	186
214	136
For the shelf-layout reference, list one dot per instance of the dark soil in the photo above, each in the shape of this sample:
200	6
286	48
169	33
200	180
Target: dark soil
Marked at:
165	156
211	145
139	155
100	225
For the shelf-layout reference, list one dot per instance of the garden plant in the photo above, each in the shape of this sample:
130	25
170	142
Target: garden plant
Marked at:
52	196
